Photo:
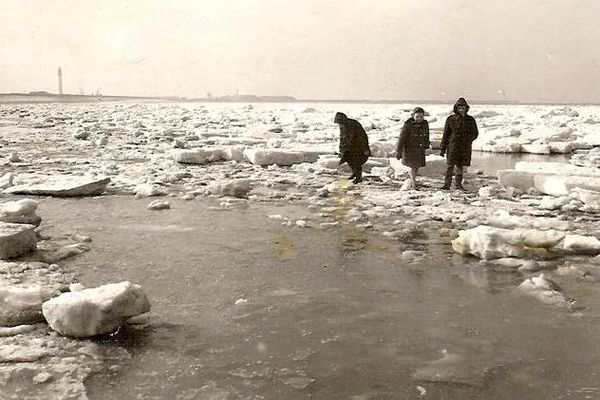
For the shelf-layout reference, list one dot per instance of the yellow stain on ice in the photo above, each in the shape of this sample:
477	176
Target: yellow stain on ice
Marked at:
343	200
351	238
284	244
342	184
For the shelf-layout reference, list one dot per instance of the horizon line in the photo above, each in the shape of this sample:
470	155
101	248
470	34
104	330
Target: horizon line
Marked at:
251	98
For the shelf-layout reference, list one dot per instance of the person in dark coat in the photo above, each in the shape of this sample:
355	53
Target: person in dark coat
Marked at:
354	145
412	143
459	133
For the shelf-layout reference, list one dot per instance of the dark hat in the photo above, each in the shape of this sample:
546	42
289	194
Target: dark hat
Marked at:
339	117
418	110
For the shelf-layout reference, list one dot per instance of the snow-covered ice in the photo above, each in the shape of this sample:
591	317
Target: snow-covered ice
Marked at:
489	242
95	311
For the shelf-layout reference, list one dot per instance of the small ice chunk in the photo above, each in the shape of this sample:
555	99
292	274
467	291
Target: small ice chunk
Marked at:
544	290
14	157
42	377
487	192
76	287
159	205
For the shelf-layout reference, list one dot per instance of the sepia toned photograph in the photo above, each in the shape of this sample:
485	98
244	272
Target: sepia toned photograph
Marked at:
299	200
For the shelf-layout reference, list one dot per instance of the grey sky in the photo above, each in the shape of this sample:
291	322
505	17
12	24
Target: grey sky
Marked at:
535	50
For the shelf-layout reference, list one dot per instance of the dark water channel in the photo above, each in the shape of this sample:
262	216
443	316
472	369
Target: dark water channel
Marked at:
326	314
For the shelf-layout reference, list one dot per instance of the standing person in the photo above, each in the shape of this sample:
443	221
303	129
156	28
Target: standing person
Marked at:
354	145
459	133
412	143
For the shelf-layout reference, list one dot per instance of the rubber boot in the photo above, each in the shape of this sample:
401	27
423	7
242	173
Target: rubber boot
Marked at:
459	179
448	179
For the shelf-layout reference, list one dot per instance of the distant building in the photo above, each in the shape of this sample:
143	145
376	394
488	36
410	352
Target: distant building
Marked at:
60	92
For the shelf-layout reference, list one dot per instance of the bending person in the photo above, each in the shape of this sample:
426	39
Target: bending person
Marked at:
354	145
459	133
412	143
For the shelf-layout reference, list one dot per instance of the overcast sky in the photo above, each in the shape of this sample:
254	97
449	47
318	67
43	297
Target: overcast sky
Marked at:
534	50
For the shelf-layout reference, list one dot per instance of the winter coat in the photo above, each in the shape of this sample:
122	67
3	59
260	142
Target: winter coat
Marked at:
354	143
412	143
459	134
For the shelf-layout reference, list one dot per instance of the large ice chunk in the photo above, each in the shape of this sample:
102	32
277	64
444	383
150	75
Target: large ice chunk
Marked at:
434	164
556	168
590	198
63	186
96	311
20	212
504	219
234	153
553	203
561	147
234	188
561	185
556	179
521	180
199	156
265	157
16	240
535	148
488	242
582	244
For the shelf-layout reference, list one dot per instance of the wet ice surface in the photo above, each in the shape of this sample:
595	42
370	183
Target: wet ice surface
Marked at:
245	308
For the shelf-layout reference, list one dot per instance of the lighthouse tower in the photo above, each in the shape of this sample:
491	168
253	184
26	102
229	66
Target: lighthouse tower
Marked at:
60	81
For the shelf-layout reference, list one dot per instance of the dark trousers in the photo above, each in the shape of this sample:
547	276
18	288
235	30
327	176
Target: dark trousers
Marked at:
356	164
456	169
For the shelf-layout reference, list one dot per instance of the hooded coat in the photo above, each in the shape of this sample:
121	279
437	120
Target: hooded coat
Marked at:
459	134
354	143
412	143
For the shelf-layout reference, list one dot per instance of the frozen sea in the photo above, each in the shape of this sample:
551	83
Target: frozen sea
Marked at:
366	300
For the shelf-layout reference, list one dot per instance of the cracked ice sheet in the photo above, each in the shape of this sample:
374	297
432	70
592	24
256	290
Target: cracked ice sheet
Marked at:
45	365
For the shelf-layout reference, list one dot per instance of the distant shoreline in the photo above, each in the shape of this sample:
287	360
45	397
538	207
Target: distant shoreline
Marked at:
23	98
